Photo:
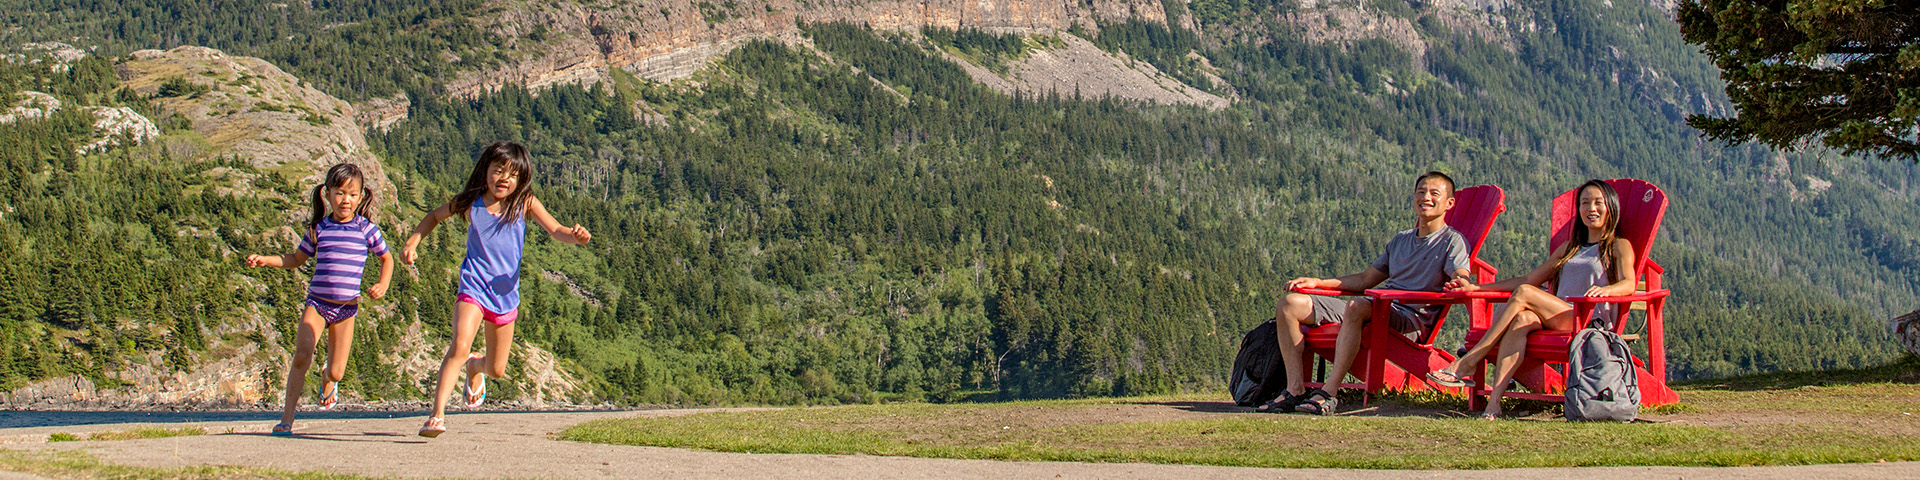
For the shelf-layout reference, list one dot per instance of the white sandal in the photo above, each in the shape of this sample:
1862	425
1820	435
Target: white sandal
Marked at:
434	427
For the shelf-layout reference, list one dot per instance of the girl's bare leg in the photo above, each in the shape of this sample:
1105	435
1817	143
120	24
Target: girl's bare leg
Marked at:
499	342
339	345
304	343
466	321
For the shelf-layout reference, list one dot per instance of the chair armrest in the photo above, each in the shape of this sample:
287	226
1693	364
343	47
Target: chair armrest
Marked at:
1326	291
1410	296
1637	297
1415	296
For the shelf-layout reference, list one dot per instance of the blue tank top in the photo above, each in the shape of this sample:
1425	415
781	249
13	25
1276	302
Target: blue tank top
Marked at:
491	271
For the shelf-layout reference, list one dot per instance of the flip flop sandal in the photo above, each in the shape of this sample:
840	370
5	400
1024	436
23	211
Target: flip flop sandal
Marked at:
329	395
434	427
1451	379
475	396
282	430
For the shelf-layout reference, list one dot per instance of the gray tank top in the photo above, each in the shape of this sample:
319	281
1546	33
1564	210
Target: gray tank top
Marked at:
1584	271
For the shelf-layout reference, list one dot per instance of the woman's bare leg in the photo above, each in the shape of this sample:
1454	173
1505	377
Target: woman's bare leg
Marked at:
1513	348
1523	300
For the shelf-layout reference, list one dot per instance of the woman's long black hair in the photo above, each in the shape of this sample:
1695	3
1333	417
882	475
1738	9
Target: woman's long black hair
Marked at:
337	176
1609	232
516	157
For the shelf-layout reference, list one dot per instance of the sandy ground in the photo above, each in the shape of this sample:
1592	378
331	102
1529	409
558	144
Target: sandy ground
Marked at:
519	445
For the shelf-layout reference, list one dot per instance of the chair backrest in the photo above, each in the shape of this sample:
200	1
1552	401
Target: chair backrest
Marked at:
1641	207
1474	209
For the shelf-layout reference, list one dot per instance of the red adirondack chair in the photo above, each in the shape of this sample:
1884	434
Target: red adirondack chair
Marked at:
1388	359
1642	206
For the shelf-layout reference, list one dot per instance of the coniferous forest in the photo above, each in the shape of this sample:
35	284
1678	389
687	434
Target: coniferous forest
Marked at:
861	221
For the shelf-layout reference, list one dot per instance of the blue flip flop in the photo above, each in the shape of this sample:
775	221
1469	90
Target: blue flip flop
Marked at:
278	432
329	394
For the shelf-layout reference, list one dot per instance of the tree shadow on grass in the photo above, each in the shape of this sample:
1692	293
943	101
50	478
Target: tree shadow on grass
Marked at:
1903	371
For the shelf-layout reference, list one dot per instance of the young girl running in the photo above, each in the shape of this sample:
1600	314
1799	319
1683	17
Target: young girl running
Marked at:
339	239
1594	263
496	202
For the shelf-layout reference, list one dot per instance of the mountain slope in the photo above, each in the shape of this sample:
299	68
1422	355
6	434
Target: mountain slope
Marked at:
841	214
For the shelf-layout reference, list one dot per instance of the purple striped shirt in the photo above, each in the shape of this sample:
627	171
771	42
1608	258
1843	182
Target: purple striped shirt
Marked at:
343	250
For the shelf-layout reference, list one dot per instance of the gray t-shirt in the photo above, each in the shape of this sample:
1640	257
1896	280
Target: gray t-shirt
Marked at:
1412	262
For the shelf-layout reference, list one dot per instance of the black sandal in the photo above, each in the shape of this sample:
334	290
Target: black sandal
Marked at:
1285	404
1318	402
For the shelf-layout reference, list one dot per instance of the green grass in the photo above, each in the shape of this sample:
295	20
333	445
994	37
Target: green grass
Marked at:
79	465
135	434
146	432
1863	416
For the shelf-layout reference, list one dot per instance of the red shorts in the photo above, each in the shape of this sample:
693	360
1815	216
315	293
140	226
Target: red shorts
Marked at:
501	319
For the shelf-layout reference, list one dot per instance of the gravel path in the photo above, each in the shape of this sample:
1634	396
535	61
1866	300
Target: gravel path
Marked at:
519	445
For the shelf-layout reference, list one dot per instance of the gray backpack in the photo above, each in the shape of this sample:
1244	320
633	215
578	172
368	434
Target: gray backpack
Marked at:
1601	383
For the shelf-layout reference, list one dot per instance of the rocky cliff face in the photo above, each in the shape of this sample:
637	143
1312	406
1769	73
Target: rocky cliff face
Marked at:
571	43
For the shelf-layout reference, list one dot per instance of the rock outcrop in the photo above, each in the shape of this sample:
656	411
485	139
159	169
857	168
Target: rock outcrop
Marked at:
249	109
571	43
1083	69
117	123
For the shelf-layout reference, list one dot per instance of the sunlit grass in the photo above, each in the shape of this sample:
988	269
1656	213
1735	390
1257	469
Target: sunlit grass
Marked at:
1861	417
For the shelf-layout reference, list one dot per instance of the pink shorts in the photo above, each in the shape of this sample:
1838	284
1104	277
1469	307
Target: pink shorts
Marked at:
501	319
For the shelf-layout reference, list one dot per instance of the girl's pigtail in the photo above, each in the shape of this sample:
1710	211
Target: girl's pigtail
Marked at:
319	207
365	209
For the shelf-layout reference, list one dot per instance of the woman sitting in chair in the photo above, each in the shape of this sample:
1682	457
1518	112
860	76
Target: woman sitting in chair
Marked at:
1593	264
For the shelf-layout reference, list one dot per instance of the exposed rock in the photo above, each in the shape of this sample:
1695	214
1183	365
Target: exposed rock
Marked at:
1345	22
117	123
31	105
110	123
63	55
381	113
256	112
1083	69
663	40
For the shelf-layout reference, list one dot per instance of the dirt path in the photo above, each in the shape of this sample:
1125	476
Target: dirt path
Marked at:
519	445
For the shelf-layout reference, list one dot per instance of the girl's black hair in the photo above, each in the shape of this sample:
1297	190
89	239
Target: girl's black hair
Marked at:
1609	232
515	156
337	176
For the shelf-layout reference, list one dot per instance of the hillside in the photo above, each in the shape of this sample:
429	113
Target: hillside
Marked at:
224	173
790	209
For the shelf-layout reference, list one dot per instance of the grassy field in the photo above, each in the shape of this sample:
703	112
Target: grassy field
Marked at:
1782	419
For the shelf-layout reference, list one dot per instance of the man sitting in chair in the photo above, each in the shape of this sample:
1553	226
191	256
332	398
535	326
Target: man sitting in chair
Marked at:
1424	258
